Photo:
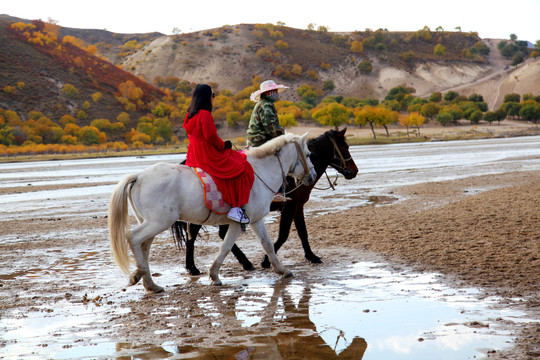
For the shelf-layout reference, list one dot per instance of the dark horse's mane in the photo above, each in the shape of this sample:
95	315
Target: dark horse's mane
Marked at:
320	143
321	146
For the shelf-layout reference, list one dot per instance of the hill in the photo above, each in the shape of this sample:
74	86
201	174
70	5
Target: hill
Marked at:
232	56
38	72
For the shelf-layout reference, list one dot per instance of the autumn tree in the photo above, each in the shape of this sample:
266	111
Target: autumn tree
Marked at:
72	129
123	117
332	114
439	50
70	91
490	117
429	110
357	46
6	133
413	119
367	115
96	97
530	111
129	90
281	45
435	97
309	94
67	119
163	129
89	135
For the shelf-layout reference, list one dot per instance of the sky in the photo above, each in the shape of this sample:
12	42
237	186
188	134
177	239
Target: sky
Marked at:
490	18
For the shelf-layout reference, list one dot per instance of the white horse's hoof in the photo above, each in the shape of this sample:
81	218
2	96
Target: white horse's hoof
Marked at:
287	274
217	283
155	289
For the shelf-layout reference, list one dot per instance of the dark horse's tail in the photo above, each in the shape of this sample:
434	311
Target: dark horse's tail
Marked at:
179	231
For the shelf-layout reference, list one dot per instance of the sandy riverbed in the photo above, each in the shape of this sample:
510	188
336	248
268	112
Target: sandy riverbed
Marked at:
476	238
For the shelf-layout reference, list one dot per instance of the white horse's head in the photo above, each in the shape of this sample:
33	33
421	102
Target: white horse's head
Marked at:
303	168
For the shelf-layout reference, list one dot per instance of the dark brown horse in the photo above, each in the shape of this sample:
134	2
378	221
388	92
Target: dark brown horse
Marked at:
329	149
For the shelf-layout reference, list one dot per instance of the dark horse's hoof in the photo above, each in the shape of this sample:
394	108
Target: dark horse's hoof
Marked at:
314	259
248	267
266	263
194	272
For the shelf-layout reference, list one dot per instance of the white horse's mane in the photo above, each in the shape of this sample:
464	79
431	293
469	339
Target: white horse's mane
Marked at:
271	147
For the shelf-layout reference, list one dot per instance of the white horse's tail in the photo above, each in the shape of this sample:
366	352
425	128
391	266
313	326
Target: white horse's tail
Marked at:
118	222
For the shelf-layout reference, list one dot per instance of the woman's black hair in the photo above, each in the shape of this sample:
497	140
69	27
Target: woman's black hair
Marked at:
201	99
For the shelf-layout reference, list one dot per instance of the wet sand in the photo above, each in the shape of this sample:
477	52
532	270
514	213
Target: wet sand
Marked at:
490	240
481	232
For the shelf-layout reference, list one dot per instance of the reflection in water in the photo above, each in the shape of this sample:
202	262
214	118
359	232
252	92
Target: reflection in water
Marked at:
300	338
284	331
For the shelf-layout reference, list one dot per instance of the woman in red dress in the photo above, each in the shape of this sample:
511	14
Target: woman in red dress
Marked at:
230	169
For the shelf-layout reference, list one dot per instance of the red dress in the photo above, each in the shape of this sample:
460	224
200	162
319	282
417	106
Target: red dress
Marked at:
230	169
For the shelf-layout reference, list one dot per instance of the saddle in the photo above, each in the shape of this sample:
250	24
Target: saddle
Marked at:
212	196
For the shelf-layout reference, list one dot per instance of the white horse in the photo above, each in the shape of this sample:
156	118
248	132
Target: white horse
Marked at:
164	193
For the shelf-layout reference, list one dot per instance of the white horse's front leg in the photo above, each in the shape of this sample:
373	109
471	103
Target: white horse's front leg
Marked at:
228	242
268	246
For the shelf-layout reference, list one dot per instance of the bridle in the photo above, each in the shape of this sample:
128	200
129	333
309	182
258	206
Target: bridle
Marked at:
341	166
300	159
339	156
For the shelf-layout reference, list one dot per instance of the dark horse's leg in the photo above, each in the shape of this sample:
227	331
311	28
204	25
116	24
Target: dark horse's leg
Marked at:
190	249
292	212
190	238
240	256
287	215
300	223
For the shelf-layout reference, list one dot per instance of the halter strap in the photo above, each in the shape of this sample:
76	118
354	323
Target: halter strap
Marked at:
336	148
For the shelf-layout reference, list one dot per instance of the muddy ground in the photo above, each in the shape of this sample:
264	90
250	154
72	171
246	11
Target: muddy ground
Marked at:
489	239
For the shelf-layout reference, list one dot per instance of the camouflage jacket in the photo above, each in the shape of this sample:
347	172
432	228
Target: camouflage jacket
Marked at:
264	123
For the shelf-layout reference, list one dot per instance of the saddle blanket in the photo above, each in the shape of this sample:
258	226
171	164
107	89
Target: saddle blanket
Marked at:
212	196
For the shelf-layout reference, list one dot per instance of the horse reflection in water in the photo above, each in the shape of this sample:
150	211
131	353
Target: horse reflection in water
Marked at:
284	331
294	342
328	150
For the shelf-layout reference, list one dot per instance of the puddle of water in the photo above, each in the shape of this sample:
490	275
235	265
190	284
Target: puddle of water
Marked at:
364	308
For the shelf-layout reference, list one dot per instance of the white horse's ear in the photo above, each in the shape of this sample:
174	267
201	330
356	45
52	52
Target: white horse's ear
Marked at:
303	137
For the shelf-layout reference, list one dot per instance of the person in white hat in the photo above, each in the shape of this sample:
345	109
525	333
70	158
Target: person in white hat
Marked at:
264	123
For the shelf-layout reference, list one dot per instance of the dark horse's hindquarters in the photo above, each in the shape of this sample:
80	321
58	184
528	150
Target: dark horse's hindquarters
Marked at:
329	149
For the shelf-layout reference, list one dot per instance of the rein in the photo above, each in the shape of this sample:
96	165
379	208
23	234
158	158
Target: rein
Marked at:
331	185
303	161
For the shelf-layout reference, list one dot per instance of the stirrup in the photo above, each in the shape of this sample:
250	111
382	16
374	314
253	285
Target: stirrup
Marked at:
279	198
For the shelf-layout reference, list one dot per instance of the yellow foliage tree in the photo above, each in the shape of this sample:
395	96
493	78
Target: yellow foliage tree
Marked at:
332	114
68	39
129	90
357	46
413	119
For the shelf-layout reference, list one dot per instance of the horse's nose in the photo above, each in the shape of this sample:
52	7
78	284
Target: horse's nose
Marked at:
311	178
350	174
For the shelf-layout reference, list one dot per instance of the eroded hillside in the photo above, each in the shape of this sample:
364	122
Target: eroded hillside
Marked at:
231	56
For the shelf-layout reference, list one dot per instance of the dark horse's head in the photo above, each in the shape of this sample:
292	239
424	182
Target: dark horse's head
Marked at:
337	147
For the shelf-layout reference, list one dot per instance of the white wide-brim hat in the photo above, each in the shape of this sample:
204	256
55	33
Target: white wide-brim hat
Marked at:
267	85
